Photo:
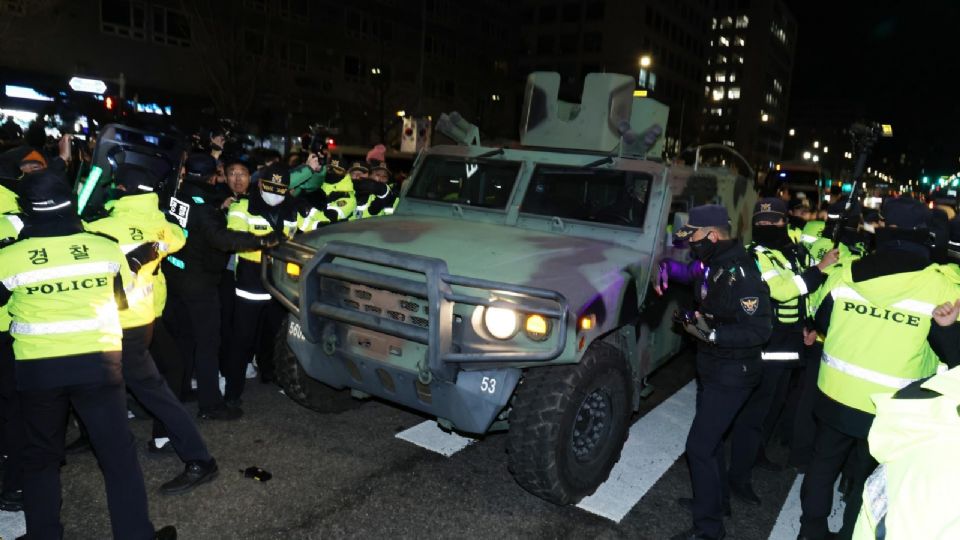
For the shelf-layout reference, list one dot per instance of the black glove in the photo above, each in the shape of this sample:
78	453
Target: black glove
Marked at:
270	240
332	215
699	328
143	254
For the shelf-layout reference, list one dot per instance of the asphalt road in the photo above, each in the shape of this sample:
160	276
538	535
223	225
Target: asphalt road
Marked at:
349	475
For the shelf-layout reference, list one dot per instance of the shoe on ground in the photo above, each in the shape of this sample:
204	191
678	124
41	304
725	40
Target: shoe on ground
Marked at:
694	534
765	463
687	502
78	446
233	403
11	501
220	413
166	533
163	449
745	493
194	474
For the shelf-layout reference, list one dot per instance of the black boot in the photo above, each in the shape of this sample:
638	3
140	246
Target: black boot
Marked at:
194	474
11	501
79	446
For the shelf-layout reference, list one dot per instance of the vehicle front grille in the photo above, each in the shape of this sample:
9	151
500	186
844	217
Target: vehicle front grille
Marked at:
386	304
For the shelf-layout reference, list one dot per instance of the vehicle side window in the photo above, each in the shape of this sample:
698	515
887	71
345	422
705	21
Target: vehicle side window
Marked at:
481	183
595	195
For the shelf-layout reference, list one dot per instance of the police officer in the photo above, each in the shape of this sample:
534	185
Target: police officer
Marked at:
193	275
257	316
877	314
145	235
341	194
731	326
916	439
11	496
373	193
62	287
851	241
783	267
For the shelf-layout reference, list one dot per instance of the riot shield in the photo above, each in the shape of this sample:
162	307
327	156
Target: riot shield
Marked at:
162	153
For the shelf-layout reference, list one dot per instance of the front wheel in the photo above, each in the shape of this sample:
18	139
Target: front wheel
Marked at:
568	425
302	388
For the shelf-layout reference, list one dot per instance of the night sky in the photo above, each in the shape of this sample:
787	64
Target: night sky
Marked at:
899	58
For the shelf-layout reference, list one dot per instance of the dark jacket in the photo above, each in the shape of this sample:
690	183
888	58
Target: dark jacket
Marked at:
209	242
736	302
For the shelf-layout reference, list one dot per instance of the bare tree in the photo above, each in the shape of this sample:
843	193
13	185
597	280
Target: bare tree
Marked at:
234	53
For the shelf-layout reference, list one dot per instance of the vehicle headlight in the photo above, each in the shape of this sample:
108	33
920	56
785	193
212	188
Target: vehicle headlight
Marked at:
502	323
537	327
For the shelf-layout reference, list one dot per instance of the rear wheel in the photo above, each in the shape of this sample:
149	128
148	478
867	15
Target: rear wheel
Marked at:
302	388
568	425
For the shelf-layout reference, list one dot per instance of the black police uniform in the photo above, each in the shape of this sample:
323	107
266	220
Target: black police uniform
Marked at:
193	307
737	302
781	354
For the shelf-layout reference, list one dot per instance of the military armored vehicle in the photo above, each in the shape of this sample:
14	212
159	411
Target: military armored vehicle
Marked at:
510	288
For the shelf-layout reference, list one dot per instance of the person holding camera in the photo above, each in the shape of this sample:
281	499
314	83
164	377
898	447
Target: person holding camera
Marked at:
731	326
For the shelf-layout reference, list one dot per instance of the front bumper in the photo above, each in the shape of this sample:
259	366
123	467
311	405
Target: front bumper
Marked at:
366	312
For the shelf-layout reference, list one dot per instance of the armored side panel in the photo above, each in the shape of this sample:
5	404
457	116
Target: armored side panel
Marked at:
595	124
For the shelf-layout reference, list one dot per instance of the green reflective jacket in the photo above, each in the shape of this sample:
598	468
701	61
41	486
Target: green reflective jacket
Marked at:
135	220
877	340
914	491
8	201
63	295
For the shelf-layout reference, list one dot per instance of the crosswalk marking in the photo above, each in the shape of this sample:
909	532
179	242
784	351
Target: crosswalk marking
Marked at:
653	445
12	525
787	526
429	435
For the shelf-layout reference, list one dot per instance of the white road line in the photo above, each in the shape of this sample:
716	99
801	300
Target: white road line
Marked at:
653	445
12	525
787	526
429	435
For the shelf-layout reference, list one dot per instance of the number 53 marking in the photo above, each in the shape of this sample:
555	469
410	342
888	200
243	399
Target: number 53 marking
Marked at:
488	385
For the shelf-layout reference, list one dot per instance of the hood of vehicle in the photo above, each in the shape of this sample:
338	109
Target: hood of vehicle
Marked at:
584	271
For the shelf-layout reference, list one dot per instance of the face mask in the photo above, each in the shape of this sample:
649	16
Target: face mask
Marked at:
703	249
272	199
770	235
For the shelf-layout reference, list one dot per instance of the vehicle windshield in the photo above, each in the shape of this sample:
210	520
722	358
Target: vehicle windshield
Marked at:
470	182
595	195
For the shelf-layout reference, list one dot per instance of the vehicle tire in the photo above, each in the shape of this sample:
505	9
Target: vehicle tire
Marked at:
302	388
568	425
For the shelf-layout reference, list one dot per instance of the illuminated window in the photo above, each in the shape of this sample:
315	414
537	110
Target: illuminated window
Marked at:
777	86
738	58
716	112
732	78
721	59
739	42
718	93
724	42
734	92
742	21
708	78
721	76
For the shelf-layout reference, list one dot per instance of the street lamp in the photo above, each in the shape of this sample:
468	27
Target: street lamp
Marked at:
793	132
816	144
646	61
764	117
806	155
816	158
826	149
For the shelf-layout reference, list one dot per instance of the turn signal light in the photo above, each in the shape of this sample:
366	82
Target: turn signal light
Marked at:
293	269
537	327
588	322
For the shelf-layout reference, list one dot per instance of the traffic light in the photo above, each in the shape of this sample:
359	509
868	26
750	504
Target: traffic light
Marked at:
108	103
925	180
